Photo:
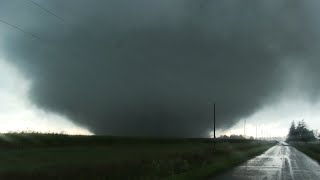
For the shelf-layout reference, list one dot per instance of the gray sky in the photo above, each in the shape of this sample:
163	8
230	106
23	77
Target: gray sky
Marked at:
151	67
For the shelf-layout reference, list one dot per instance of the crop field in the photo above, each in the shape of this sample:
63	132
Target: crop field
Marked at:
49	156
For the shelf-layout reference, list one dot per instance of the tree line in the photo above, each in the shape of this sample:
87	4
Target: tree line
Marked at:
300	132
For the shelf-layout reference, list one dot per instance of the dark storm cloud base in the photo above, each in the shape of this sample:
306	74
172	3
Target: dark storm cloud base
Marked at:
153	67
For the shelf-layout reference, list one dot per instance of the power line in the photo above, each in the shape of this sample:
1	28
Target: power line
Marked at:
47	10
19	29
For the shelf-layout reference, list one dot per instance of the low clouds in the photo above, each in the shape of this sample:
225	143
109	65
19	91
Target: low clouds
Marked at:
17	114
153	67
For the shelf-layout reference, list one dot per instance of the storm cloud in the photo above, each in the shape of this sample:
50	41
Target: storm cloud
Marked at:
151	67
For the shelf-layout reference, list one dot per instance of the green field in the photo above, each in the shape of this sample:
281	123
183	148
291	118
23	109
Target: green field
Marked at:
311	149
36	156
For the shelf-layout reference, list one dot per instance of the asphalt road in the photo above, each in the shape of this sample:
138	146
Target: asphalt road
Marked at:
280	162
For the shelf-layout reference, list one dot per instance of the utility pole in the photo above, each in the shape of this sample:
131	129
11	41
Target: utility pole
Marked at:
256	131
244	128
214	120
214	126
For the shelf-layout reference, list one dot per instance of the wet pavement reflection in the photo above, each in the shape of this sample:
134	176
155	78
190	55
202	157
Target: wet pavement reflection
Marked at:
281	162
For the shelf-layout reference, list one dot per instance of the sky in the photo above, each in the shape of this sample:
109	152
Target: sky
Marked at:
155	68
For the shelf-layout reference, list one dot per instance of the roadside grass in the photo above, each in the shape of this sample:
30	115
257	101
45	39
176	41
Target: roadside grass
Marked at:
52	156
222	163
312	149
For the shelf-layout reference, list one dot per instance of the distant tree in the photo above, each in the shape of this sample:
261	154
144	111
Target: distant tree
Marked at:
236	137
224	137
301	128
316	133
292	131
300	132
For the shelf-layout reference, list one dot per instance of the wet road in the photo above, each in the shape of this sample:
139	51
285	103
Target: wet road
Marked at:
280	162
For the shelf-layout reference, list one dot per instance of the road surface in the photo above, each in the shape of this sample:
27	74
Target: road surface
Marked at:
281	162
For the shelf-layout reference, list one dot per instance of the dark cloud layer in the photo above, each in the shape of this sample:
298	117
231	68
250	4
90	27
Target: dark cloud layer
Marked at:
152	67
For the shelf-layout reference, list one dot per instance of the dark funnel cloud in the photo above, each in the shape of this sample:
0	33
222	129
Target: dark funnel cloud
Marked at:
151	67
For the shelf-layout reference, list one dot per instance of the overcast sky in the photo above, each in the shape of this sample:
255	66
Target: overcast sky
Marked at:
150	67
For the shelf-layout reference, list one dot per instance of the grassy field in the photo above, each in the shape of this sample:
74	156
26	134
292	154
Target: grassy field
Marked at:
36	156
310	149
